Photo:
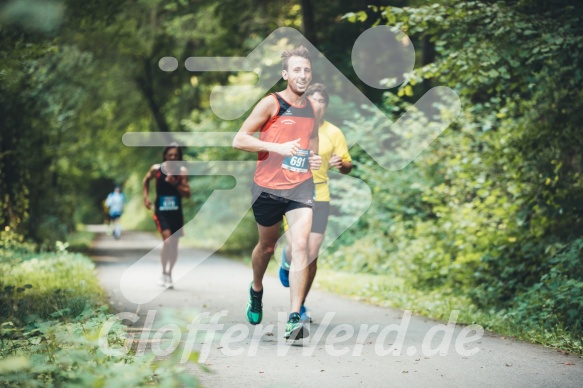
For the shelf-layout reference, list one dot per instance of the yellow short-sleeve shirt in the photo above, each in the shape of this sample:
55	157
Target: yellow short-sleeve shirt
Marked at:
332	142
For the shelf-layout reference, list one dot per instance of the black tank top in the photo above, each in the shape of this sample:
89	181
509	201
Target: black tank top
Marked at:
168	197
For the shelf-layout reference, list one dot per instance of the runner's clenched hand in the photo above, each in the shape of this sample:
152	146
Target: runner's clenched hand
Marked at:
315	161
290	148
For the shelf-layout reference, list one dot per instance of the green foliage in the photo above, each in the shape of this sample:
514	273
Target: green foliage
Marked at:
556	299
493	209
74	77
67	353
52	326
43	284
80	241
394	291
13	245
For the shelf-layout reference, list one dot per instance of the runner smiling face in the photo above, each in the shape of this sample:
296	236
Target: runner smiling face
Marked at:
298	74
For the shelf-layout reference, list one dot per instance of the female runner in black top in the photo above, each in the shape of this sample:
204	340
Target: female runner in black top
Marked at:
171	185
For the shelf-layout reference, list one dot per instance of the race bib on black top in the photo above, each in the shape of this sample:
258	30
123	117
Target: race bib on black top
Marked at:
168	203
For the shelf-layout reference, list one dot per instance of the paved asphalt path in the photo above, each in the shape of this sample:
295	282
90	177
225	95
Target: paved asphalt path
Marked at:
351	344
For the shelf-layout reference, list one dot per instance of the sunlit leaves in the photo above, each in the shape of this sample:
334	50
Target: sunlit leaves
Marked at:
504	182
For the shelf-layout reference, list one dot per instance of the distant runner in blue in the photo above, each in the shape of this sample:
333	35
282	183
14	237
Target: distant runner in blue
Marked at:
115	202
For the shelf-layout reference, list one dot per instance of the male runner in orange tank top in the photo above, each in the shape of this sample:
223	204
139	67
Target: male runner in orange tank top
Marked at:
283	185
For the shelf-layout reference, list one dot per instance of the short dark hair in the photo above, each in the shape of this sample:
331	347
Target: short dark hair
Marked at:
169	147
300	51
318	88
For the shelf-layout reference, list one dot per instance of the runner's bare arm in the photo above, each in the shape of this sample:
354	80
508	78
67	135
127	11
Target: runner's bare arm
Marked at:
183	185
244	140
151	174
340	157
344	166
180	181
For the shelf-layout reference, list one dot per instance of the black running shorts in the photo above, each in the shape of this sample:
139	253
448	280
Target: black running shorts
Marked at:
269	206
172	221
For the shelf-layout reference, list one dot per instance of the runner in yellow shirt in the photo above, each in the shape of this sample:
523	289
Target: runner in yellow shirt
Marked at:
334	153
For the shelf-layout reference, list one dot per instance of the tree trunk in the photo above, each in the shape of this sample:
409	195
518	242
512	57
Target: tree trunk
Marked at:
308	25
145	84
427	57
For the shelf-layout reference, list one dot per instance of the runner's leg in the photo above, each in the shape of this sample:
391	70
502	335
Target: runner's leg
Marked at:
300	222
172	253
268	236
167	254
314	244
117	228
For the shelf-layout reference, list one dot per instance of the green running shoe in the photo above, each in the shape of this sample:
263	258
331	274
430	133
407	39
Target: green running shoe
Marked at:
254	306
295	328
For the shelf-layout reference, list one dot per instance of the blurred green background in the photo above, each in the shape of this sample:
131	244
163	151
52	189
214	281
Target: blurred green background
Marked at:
490	213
